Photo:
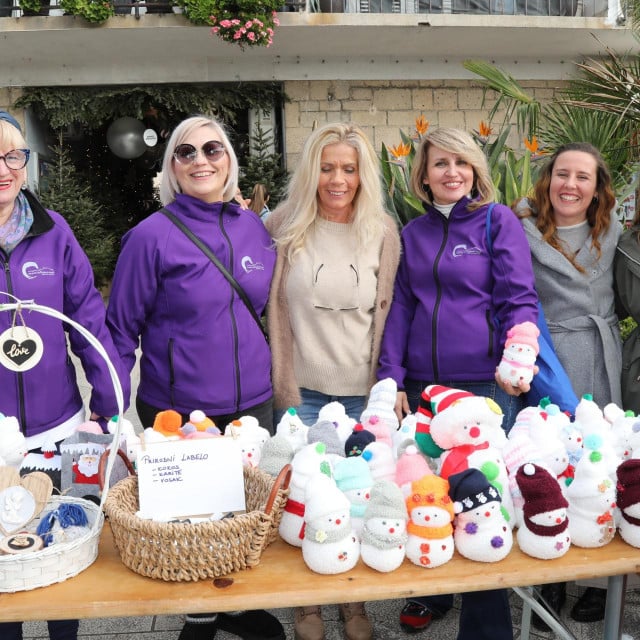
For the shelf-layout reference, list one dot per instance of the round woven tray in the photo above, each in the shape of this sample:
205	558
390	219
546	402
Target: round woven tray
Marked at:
189	552
57	562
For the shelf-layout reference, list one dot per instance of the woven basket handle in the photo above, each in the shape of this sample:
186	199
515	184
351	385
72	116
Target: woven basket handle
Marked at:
102	465
281	482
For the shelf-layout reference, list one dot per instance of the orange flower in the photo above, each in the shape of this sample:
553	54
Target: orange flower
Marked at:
485	129
401	150
531	145
421	125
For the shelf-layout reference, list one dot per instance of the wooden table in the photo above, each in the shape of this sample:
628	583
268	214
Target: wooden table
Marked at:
108	589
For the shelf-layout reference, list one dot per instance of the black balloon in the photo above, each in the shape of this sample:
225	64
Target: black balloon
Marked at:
125	137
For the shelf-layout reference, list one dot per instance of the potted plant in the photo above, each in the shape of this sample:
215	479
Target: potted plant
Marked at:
90	10
246	23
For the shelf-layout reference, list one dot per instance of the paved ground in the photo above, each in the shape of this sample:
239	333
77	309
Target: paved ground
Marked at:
384	615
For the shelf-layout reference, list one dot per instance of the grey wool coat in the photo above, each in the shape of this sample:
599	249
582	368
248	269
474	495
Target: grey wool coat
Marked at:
580	311
286	392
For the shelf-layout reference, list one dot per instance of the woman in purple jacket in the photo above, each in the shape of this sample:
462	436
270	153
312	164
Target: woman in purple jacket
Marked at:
201	348
41	261
457	293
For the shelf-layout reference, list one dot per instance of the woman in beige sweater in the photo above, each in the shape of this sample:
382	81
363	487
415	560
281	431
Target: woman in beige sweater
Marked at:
337	255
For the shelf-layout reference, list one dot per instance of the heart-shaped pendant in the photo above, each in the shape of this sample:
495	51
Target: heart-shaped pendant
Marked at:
22	499
20	348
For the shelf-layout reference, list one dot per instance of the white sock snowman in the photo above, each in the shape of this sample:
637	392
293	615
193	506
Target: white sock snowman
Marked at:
329	545
480	531
384	534
353	478
311	460
544	530
430	532
293	429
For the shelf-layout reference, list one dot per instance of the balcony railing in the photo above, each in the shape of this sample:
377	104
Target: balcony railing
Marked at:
577	8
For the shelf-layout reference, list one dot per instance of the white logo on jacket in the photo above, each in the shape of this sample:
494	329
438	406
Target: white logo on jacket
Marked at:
30	270
463	250
249	265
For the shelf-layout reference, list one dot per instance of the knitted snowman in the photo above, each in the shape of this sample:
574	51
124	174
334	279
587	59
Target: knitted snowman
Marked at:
381	404
357	441
325	431
591	421
293	429
411	466
276	453
592	499
520	353
379	428
310	461
468	430
247	428
405	434
430	532
381	462
628	501
329	545
544	531
384	534
622	424
480	531
335	412
353	477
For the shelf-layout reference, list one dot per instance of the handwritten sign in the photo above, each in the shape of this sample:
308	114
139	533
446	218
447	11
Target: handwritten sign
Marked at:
190	478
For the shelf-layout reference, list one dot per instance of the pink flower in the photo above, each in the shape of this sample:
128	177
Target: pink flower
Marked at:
215	29
276	21
237	35
225	23
248	24
235	21
251	36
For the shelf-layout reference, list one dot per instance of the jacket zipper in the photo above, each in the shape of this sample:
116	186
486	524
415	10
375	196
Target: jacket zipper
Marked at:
21	404
234	325
491	332
436	306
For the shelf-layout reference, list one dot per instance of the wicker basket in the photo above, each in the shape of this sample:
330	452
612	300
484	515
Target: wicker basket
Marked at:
21	572
185	552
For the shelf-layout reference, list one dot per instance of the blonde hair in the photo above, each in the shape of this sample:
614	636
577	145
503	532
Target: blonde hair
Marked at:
10	136
169	184
259	198
461	144
300	207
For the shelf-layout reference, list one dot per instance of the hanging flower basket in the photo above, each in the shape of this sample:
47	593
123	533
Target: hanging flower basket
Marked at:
247	23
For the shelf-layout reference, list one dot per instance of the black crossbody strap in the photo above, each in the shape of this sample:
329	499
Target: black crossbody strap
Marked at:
207	252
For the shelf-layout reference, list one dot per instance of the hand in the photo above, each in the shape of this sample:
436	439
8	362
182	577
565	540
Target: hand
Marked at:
508	388
402	405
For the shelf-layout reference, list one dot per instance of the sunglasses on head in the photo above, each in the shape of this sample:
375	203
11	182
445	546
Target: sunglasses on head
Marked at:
186	153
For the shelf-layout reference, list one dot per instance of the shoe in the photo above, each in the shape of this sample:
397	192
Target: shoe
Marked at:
308	623
416	617
252	625
199	626
356	624
590	605
556	595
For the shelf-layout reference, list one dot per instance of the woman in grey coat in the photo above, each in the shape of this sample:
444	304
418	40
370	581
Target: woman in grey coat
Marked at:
573	233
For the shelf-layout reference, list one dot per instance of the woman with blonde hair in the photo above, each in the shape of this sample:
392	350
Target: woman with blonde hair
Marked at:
458	290
337	254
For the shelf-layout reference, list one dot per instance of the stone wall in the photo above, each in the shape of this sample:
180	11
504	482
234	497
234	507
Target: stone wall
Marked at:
383	107
8	95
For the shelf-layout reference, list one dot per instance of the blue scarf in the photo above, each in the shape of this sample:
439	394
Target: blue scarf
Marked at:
17	226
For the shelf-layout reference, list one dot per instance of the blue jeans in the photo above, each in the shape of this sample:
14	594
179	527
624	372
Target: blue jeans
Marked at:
475	624
313	401
58	630
510	405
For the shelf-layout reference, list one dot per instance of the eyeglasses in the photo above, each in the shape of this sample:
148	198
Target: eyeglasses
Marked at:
187	153
16	158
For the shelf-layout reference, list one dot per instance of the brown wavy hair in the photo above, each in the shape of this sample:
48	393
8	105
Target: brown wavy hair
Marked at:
598	212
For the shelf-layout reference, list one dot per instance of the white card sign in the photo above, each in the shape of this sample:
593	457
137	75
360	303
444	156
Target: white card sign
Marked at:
183	478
